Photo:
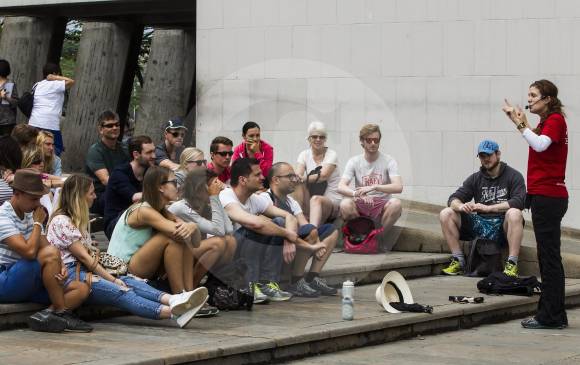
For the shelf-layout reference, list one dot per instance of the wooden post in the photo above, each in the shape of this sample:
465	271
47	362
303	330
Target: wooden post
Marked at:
105	60
168	83
28	44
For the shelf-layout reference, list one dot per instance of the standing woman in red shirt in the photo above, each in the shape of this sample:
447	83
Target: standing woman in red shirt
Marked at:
547	194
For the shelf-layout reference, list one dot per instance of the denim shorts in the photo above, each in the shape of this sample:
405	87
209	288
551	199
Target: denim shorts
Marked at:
324	230
22	282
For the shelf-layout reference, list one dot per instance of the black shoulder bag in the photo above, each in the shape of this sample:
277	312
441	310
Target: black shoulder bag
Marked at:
26	102
316	187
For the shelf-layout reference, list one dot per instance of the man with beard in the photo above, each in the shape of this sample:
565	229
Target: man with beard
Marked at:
221	155
125	184
104	156
376	177
262	243
498	193
168	152
313	242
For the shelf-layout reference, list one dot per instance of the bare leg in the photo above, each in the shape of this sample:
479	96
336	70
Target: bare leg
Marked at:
320	209
450	226
70	297
207	254
330	243
514	228
146	261
302	196
348	209
230	251
188	259
303	255
392	212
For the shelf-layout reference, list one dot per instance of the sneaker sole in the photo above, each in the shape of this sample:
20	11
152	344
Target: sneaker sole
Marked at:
51	327
274	299
201	298
453	274
190	302
78	331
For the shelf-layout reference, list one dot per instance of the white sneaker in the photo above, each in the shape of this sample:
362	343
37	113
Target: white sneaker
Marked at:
186	317
181	303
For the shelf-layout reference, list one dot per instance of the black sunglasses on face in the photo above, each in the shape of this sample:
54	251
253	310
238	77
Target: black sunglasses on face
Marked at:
225	153
177	134
198	162
111	125
174	182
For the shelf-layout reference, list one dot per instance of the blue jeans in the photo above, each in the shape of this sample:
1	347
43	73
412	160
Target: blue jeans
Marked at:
324	230
22	282
262	254
141	299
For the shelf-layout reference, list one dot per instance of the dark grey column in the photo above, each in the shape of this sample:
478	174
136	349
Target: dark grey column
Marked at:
28	43
168	87
106	59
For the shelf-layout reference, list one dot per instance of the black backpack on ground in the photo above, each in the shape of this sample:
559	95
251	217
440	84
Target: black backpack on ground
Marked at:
500	283
484	258
227	287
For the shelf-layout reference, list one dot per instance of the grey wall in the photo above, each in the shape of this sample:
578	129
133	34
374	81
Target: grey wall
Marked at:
432	73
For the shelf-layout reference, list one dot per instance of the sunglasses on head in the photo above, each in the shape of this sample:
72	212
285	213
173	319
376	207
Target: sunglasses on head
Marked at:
225	153
111	125
372	140
198	162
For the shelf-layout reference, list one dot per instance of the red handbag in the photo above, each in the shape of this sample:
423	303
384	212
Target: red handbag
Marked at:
360	236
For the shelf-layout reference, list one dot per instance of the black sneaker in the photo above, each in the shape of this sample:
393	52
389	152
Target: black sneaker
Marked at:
207	311
319	284
302	289
74	323
46	321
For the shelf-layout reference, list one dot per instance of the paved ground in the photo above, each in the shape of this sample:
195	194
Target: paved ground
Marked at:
505	343
131	340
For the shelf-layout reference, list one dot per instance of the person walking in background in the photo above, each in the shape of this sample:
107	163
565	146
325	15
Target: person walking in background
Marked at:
547	194
48	103
8	100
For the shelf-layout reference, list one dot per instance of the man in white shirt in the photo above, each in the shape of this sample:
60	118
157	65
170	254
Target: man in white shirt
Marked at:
262	243
48	102
376	177
313	242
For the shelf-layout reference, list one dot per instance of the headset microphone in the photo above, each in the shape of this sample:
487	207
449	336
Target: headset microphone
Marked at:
532	104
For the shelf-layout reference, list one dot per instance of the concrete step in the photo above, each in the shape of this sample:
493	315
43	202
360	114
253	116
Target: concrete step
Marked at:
361	269
270	333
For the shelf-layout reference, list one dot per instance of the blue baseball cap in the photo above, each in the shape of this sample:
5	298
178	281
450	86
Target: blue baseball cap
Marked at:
487	146
174	123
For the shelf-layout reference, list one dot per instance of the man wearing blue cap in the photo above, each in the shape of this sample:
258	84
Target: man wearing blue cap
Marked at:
168	152
498	193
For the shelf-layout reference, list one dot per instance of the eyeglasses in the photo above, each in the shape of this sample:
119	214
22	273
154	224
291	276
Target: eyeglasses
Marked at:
291	177
373	140
111	125
225	153
317	137
198	162
174	182
177	134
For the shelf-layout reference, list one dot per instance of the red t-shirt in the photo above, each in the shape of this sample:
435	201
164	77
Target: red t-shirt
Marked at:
224	176
547	169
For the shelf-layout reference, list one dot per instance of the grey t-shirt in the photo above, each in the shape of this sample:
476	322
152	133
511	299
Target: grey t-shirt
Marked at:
161	153
220	223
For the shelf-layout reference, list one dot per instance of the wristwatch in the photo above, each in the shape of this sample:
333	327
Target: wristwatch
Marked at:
521	126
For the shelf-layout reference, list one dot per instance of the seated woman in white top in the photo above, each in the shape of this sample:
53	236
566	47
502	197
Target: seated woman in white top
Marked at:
152	240
326	206
201	204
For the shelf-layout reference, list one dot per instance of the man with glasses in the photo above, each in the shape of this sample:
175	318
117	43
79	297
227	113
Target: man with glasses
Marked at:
498	193
313	242
104	156
167	153
376	178
126	183
262	242
221	156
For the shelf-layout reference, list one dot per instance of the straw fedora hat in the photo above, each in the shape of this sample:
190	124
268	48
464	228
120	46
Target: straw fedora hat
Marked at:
29	181
393	288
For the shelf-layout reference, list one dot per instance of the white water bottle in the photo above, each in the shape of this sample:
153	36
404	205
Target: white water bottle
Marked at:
348	300
348	289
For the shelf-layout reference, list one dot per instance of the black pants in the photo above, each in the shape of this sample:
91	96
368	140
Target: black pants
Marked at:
547	215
